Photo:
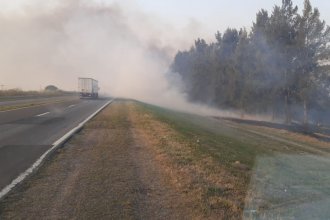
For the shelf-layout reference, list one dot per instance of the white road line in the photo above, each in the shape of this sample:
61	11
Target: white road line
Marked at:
71	106
46	113
55	145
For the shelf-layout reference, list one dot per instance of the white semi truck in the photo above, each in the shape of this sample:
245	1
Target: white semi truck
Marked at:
88	87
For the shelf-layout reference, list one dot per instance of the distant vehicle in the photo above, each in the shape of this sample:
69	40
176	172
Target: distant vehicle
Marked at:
88	87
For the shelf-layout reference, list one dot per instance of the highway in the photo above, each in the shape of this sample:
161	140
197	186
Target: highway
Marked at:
27	133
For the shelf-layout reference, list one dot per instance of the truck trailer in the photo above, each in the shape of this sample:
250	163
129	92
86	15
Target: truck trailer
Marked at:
88	87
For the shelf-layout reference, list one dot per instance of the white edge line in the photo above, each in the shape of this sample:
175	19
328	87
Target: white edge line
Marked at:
55	145
46	113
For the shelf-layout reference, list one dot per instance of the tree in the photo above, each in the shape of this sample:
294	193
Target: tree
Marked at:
271	68
312	46
51	88
283	22
242	67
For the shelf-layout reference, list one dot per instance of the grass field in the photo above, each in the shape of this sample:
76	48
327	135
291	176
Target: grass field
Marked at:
17	92
32	103
274	173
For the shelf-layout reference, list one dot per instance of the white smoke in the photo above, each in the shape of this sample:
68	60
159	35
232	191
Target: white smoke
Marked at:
127	50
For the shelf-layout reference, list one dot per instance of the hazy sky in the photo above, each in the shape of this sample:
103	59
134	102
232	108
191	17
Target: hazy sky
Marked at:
219	14
213	14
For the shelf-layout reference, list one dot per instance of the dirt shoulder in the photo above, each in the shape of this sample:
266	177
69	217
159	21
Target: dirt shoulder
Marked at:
107	171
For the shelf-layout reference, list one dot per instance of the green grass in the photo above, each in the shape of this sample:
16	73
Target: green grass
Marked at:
279	176
227	145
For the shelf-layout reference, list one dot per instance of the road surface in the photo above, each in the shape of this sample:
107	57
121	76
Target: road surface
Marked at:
25	134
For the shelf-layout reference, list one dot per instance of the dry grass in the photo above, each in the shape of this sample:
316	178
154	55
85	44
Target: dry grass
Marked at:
216	193
34	103
292	136
18	92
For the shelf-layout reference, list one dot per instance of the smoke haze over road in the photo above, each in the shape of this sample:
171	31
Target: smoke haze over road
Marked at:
127	50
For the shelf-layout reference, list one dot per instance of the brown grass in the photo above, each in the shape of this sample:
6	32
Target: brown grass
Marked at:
216	192
19	92
31	104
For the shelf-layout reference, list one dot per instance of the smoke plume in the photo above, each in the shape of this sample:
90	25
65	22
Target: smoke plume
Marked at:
126	50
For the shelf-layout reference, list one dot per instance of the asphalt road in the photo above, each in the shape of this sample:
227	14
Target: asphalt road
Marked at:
25	134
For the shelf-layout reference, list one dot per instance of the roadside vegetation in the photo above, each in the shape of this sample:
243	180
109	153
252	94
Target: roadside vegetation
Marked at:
136	160
279	68
32	103
25	99
249	166
5	94
13	107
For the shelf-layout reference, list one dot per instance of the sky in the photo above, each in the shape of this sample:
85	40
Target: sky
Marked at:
219	14
212	14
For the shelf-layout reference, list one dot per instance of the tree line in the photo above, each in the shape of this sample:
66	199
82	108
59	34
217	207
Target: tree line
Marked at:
278	67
